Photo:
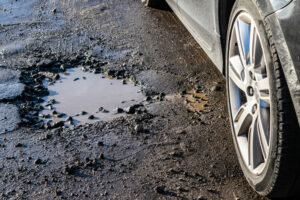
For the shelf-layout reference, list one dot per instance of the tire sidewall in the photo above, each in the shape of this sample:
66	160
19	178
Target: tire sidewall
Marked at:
263	182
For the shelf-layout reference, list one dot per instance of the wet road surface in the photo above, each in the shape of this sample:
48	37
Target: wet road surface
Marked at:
178	146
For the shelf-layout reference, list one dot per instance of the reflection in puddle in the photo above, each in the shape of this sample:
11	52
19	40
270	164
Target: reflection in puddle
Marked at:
196	101
87	97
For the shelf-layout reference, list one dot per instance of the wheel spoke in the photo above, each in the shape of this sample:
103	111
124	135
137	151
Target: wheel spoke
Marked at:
262	137
253	36
242	119
235	72
264	90
265	100
240	42
243	39
258	55
259	68
253	145
263	84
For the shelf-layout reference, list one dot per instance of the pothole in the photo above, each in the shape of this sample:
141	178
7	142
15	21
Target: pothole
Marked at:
80	96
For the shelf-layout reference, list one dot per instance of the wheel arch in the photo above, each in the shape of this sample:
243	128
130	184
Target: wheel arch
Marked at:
225	7
266	8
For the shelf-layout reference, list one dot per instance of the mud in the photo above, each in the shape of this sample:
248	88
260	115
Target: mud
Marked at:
168	151
196	101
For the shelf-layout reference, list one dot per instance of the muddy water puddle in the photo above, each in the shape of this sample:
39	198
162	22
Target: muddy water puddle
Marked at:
80	97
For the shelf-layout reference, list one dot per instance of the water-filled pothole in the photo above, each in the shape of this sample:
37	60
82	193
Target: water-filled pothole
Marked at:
80	97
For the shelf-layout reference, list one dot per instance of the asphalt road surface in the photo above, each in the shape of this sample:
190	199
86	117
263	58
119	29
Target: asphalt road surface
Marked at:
178	145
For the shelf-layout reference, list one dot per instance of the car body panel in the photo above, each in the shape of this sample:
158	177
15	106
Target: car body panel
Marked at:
285	28
201	19
173	4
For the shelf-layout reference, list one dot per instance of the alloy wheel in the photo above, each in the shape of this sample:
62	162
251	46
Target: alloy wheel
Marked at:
249	93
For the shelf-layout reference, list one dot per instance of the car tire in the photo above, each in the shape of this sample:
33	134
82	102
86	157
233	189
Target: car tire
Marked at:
275	171
153	3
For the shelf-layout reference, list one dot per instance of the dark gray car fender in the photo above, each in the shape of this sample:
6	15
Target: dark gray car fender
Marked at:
285	29
268	7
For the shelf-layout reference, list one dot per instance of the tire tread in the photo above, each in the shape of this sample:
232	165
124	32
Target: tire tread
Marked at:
285	183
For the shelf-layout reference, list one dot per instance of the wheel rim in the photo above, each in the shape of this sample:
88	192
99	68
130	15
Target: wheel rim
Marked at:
249	93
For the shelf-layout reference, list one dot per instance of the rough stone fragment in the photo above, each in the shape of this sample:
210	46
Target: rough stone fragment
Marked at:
10	86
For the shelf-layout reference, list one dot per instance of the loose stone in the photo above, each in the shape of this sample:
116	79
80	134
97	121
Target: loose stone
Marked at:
138	128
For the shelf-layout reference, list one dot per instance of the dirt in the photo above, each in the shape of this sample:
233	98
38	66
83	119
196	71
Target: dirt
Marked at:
178	147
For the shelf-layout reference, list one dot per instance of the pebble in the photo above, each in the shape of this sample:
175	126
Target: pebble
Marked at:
70	170
176	154
63	67
91	117
182	132
119	110
47	125
38	161
101	156
161	96
45	116
69	119
148	98
200	197
100	144
130	110
56	77
58	124
19	145
183	92
105	111
215	88
96	71
52	101
160	189
139	128
83	113
48	136
181	189
60	115
83	69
